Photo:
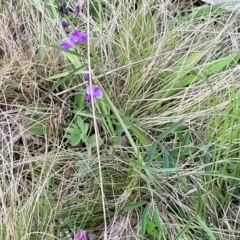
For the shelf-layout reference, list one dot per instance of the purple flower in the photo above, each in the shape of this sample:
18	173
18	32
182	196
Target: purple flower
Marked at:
77	9
93	92
67	44
87	77
64	24
77	36
82	235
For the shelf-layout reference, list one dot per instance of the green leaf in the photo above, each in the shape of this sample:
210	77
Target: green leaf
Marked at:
80	124
207	157
69	51
79	101
134	205
144	220
157	219
86	126
165	159
138	133
219	64
186	139
151	152
184	229
75	140
72	130
74	135
204	11
91	141
169	130
205	228
58	83
150	227
36	129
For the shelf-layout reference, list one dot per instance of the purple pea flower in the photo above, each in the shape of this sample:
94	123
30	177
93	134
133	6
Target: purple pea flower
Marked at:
77	9
82	235
67	44
64	24
77	36
93	92
87	77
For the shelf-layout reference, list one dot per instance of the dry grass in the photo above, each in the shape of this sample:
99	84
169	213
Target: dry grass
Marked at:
50	189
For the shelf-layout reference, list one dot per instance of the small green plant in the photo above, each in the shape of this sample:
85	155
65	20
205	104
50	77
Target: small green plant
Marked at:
78	132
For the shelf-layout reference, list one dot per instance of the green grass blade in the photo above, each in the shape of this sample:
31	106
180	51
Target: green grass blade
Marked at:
134	205
205	228
144	220
152	152
219	64
169	130
58	83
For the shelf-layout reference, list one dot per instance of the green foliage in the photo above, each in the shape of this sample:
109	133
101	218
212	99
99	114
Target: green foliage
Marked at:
78	132
36	129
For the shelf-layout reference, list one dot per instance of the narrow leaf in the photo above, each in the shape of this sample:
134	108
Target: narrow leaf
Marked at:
134	205
144	220
169	130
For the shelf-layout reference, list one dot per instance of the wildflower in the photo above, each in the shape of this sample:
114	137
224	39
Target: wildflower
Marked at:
67	44
82	235
93	92
77	9
64	24
87	77
78	36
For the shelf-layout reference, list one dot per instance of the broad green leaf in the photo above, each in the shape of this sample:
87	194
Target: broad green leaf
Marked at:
150	227
75	140
86	126
79	101
80	124
72	130
91	141
154	233
36	129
